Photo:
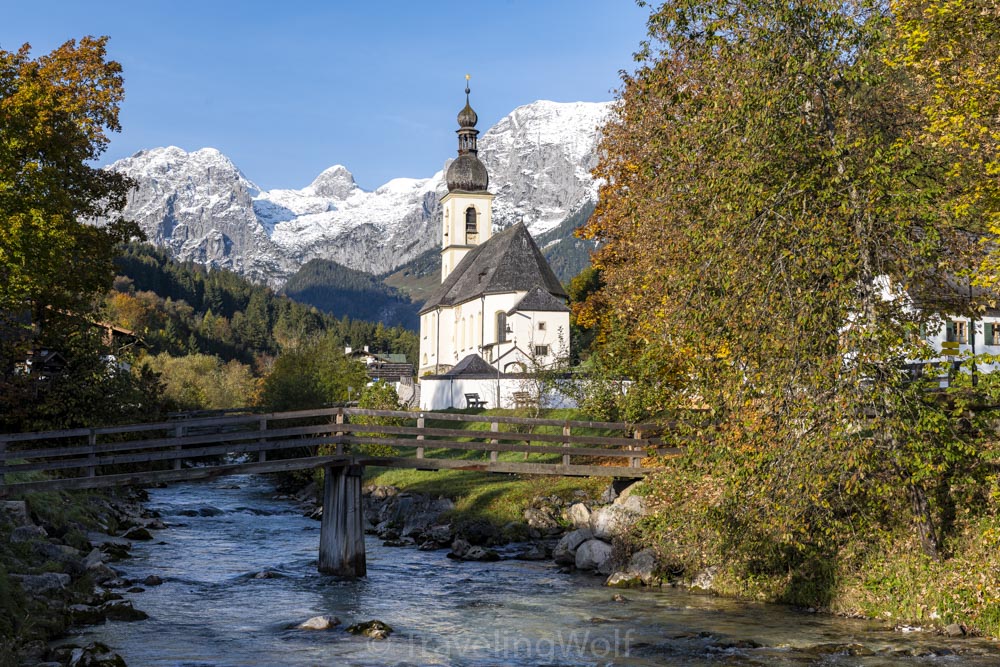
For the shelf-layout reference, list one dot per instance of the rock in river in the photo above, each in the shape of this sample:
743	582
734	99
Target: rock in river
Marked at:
319	623
373	629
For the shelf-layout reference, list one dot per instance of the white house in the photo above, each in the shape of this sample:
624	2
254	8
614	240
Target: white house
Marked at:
499	298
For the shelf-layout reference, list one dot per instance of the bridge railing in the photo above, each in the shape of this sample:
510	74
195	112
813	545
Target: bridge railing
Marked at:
283	441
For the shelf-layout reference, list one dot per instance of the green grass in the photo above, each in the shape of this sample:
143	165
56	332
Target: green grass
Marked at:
497	498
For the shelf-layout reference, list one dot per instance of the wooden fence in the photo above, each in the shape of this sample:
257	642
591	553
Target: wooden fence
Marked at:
203	447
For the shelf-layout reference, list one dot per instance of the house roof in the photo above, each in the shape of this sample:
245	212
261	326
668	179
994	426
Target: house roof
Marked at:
507	262
538	300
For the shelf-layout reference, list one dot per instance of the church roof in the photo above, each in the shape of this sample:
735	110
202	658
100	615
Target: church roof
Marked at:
507	262
472	365
540	301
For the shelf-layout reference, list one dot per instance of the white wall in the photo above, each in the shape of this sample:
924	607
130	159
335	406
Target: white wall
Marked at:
444	393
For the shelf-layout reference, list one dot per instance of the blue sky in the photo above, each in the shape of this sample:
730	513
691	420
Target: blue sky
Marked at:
288	89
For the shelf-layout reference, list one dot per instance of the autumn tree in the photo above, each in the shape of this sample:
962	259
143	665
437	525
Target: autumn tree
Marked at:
766	226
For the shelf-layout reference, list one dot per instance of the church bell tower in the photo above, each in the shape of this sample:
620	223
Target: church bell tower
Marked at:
467	209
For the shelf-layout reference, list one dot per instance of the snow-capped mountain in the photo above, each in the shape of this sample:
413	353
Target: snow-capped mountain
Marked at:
204	209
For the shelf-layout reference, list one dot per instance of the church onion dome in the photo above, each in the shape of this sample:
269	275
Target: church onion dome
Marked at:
467	118
467	173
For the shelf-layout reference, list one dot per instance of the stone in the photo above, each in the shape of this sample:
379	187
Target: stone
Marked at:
374	629
459	548
611	521
138	534
643	565
578	515
541	519
594	555
705	578
481	554
28	533
632	503
623	580
319	623
82	614
618	597
152	580
93	559
122	610
266	574
532	552
564	552
440	533
954	630
37	584
15	512
102	574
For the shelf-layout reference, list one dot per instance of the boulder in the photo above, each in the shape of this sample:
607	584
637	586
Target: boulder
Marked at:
643	565
373	629
954	630
319	623
705	578
28	533
623	580
541	519
565	551
82	614
138	534
578	515
594	555
481	554
94	558
152	580
102	574
69	558
36	584
14	512
122	610
632	503
612	520
534	551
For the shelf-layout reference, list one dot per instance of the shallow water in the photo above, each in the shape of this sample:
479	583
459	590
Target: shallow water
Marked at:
210	611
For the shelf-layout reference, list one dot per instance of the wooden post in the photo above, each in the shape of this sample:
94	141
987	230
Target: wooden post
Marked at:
636	461
178	433
341	536
420	448
566	432
92	455
262	454
494	427
340	434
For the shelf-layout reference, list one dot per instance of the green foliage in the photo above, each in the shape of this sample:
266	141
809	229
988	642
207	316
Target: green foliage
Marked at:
378	396
340	291
316	375
203	382
767	220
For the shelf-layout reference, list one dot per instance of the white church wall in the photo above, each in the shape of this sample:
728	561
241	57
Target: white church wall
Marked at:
444	393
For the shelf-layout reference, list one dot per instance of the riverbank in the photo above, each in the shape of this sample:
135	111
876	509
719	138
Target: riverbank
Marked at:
57	552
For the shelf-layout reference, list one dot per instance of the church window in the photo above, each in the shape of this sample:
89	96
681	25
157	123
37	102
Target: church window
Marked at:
541	350
541	326
470	220
501	327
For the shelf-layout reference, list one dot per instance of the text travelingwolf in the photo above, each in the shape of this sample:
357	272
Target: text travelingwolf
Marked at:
504	645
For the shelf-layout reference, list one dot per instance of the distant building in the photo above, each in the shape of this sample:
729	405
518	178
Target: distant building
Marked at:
499	299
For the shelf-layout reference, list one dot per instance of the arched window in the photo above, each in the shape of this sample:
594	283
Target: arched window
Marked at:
470	221
501	327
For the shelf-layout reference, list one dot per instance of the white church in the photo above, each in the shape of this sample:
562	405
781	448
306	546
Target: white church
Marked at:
500	312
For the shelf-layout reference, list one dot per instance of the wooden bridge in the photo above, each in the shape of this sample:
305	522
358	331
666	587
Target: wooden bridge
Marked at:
341	440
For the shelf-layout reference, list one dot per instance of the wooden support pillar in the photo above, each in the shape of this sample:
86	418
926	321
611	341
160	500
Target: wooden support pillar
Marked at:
420	448
342	536
636	461
92	454
494	428
566	432
3	459
340	434
262	454
178	433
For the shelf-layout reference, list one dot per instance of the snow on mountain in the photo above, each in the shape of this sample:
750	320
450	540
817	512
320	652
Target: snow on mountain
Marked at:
204	209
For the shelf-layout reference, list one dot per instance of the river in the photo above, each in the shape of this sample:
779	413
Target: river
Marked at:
211	611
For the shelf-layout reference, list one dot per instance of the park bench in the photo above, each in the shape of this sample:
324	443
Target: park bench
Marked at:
473	401
522	399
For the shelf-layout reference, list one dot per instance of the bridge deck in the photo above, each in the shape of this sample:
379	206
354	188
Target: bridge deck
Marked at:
204	447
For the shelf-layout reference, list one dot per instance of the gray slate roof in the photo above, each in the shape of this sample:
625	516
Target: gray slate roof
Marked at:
507	262
472	366
540	301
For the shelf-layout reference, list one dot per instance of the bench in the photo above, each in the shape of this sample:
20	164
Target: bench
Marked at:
522	399
473	401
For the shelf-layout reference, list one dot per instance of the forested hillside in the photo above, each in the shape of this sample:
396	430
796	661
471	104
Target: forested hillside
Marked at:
340	291
184	308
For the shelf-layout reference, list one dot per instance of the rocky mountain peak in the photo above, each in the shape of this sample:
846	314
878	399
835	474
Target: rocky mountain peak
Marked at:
336	182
